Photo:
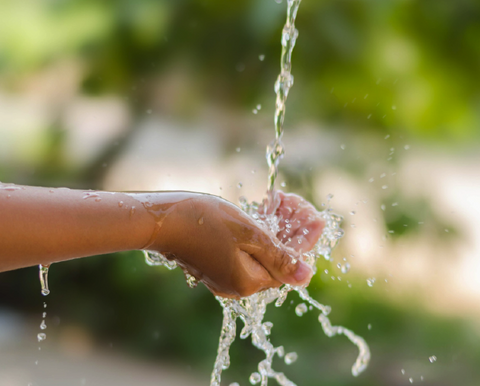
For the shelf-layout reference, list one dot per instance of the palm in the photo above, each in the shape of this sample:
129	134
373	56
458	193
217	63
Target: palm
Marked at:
300	224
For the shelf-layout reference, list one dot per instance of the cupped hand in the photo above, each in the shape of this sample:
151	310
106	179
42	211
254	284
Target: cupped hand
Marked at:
220	245
300	223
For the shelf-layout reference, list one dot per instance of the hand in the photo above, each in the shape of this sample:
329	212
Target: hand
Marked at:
223	247
300	224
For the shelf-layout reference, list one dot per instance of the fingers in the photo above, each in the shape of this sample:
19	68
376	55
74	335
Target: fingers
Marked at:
284	264
301	225
249	277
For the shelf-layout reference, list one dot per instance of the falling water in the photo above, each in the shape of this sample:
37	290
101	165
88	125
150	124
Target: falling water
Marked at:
251	310
275	150
43	275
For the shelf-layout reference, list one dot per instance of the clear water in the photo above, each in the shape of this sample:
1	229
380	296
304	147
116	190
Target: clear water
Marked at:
43	275
251	310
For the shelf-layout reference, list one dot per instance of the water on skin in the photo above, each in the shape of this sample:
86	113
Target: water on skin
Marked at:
251	310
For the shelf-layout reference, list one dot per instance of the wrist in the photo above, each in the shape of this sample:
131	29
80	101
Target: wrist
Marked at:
157	207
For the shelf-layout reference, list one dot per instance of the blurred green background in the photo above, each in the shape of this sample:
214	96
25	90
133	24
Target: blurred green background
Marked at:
157	94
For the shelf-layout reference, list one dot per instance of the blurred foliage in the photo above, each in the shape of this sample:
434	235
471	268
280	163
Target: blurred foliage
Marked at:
420	58
364	68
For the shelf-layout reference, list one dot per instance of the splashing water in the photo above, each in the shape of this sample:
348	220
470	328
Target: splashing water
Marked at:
251	310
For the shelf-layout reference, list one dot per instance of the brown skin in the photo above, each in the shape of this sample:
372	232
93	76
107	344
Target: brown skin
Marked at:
209	237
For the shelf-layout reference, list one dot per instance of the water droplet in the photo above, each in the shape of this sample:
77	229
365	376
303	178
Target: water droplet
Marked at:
329	197
385	187
132	211
383	207
342	146
283	184
387	136
410	380
259	107
395	204
371	281
43	274
254	111
421	378
345	268
42	336
305	231
403	371
432	359
301	309
120	204
383	175
234	384
371	179
352	212
239	185
369	326
407	147
280	351
200	221
44	305
394	107
255	378
238	149
191	281
44	315
43	325
291	357
261	57
91	195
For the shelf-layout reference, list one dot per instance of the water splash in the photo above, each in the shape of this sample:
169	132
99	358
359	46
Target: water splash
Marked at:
251	310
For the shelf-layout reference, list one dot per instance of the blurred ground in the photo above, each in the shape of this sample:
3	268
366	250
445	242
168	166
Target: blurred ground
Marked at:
72	363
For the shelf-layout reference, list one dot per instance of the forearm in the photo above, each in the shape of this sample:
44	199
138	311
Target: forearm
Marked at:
44	225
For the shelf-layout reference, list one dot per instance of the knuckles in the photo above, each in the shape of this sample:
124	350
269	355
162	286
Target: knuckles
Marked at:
283	263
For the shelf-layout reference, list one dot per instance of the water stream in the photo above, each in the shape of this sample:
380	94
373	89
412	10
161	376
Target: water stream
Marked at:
251	310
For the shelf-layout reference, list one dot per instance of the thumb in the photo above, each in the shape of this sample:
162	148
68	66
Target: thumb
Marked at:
283	263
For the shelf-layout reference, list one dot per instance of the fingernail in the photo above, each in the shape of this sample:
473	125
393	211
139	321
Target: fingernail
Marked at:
303	273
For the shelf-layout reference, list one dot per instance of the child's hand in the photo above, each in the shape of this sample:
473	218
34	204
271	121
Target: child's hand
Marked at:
224	248
300	225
